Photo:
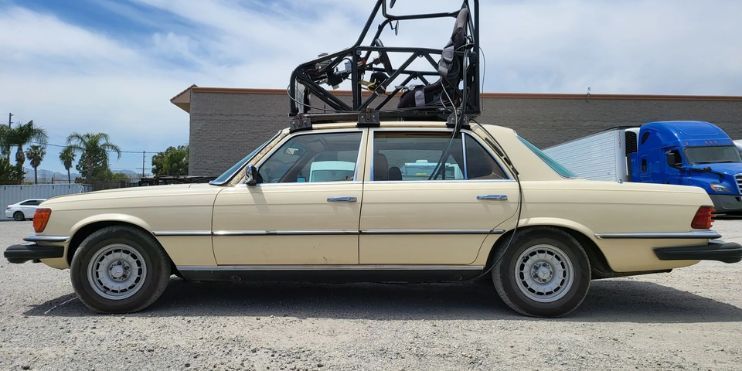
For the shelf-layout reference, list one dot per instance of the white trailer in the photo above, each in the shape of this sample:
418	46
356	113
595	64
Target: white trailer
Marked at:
600	156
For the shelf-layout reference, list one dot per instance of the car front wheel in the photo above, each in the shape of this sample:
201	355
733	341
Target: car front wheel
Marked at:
18	216
119	270
545	272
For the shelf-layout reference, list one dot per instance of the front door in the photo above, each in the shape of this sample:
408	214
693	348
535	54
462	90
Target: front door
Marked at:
304	212
411	216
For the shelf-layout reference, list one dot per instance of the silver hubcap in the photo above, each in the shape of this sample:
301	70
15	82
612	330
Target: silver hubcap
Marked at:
544	273
117	272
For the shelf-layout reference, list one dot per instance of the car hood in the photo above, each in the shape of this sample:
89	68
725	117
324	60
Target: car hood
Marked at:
136	196
730	168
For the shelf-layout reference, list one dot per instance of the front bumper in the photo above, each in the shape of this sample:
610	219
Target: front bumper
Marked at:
727	203
727	252
8	213
18	254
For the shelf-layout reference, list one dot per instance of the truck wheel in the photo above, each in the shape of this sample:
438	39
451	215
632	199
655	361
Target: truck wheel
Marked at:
545	273
18	216
119	270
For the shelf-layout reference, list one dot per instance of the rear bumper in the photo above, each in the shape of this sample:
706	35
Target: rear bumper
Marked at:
727	252
22	253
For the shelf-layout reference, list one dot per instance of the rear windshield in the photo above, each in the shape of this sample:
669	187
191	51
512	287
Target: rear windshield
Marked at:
561	170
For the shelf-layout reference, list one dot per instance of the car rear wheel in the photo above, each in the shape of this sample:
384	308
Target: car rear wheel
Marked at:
545	272
119	270
18	216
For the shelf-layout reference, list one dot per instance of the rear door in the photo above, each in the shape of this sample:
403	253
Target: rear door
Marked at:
410	218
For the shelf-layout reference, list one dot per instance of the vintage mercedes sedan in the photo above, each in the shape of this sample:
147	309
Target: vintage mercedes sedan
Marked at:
401	201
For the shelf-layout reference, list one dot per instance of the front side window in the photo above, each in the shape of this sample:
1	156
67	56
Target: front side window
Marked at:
30	203
712	155
321	157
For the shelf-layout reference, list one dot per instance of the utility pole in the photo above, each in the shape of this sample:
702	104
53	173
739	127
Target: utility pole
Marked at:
143	155
10	116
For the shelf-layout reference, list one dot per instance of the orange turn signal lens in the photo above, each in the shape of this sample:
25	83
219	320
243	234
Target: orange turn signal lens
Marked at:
40	218
704	218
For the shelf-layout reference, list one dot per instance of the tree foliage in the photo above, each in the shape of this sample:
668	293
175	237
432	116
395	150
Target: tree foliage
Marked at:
172	162
67	157
35	155
9	174
93	149
23	134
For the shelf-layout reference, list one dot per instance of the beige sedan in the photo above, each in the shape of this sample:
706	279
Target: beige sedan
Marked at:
400	201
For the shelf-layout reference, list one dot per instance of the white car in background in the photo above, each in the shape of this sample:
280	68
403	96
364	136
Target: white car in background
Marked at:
738	143
23	210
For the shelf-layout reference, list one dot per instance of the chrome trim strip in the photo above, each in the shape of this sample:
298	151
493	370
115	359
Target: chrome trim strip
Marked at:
340	267
703	234
181	233
283	233
329	232
36	238
432	231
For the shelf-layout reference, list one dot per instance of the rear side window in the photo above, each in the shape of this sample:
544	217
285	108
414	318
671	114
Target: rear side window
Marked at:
414	156
479	163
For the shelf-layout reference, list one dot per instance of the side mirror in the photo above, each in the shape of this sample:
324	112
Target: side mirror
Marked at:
673	159
252	176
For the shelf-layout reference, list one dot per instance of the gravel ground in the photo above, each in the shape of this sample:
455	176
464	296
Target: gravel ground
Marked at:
690	318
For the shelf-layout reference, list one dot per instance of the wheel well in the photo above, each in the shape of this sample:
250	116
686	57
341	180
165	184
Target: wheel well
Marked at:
598	263
87	230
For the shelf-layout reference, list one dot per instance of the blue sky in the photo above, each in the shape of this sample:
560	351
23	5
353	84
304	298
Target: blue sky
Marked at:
112	66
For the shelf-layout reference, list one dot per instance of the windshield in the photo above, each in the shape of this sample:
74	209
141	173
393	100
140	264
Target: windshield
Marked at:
561	170
712	155
227	175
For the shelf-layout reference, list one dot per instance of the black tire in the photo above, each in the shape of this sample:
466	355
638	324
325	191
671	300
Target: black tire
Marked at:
554	251
18	216
150	259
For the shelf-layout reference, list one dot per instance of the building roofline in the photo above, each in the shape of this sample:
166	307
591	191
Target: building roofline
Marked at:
182	99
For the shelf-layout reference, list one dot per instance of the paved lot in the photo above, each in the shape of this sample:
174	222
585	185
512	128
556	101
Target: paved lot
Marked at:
690	318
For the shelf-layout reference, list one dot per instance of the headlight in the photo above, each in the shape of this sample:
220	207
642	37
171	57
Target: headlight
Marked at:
718	188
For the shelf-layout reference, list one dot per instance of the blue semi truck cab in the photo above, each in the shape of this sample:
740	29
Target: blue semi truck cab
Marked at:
692	153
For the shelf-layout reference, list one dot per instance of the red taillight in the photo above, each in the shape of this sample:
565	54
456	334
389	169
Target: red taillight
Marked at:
40	218
704	218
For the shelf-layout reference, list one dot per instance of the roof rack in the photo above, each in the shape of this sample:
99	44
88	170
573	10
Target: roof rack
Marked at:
447	86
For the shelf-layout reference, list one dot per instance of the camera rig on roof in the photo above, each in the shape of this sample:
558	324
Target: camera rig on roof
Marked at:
446	88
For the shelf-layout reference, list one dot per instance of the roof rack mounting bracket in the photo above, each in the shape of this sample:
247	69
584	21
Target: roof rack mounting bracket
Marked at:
464	118
368	118
300	122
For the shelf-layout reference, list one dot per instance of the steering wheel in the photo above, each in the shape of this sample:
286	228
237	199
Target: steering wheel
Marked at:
383	56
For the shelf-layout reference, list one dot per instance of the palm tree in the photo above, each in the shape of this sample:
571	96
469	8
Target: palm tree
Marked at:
4	143
93	148
67	156
36	154
22	135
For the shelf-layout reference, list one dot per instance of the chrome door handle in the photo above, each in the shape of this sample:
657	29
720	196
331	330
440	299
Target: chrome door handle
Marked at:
493	197
342	199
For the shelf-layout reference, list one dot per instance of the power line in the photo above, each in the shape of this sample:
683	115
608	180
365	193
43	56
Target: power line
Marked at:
122	151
